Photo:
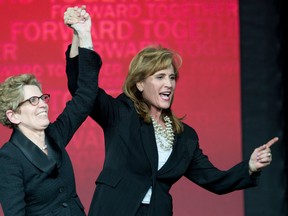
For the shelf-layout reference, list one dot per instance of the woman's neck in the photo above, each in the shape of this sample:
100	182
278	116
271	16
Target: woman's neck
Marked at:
156	114
37	137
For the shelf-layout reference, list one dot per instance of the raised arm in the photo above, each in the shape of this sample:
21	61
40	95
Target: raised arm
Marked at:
72	16
104	106
85	81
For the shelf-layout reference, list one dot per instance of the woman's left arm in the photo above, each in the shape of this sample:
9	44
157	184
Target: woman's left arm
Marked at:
81	104
203	173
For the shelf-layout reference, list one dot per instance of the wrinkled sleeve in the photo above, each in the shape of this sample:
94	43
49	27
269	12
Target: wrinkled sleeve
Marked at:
202	172
105	108
83	84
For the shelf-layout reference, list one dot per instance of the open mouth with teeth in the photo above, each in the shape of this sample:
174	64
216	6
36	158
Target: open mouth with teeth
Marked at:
42	113
165	96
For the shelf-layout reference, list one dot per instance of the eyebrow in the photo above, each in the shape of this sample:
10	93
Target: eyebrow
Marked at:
163	73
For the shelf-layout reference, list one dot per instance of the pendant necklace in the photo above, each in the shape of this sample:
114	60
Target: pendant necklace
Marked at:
43	148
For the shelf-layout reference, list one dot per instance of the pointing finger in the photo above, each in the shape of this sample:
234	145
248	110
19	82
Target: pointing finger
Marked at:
271	142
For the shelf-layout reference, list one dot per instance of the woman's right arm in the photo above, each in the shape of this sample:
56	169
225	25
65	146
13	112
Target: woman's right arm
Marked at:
11	187
71	16
104	107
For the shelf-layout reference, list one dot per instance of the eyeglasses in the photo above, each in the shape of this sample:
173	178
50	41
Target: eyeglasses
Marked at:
35	100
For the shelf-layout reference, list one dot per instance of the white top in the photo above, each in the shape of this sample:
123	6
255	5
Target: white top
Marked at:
163	156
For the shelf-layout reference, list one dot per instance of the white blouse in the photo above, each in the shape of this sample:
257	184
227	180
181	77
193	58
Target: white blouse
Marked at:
163	156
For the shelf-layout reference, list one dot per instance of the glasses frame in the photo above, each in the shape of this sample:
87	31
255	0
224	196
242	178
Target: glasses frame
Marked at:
43	97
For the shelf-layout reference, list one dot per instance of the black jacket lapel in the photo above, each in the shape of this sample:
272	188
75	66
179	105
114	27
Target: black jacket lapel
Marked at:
176	155
32	152
149	144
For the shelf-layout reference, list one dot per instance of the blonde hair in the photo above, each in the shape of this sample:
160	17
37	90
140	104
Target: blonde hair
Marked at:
146	63
11	94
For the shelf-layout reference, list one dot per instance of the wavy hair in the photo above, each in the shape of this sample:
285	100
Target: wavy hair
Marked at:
146	63
11	94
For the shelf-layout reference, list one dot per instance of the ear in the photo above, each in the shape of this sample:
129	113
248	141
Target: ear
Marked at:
140	86
12	116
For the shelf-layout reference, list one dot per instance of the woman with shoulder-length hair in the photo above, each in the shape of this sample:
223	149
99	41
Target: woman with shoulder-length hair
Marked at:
147	148
145	64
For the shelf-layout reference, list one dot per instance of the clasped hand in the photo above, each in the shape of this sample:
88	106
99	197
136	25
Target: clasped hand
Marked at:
78	19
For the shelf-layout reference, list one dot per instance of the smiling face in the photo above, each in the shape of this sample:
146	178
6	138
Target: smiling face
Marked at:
158	90
32	118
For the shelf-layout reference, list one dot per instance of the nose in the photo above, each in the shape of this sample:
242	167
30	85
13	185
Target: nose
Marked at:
168	82
42	103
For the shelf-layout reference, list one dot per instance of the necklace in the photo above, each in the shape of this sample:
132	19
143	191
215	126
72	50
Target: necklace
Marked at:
164	136
43	148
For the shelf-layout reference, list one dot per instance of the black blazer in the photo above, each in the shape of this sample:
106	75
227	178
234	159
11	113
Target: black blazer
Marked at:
131	161
34	184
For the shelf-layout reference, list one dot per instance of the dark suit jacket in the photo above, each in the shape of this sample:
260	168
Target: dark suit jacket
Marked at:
32	184
131	161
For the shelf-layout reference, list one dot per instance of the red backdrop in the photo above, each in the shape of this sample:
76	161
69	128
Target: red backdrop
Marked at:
206	34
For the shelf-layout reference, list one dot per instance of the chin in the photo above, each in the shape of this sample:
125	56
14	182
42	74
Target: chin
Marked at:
46	124
166	106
